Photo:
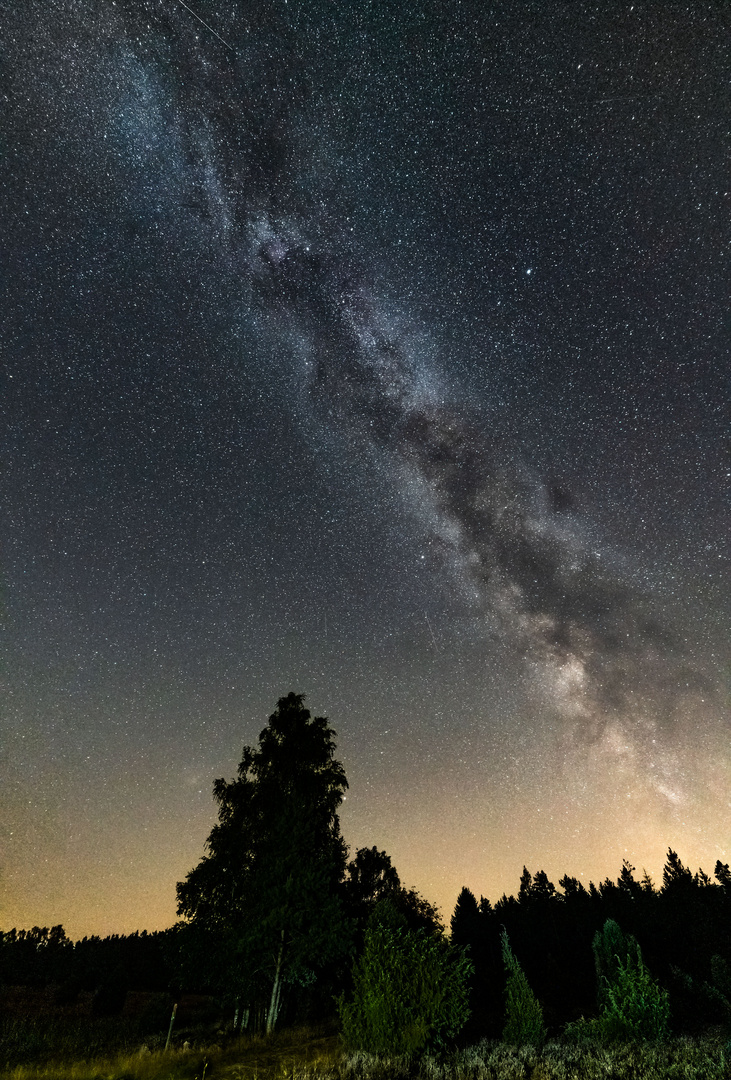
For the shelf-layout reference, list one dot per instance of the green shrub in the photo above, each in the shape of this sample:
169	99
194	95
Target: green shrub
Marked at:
583	1030
410	991
635	1006
612	948
523	1013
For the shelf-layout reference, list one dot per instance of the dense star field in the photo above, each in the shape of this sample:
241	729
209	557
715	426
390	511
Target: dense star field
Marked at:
376	352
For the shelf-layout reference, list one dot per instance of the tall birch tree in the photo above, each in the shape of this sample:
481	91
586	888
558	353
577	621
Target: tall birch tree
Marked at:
267	888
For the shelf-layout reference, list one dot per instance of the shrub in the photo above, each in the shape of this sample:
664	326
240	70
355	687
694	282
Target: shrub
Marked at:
410	990
612	948
523	1013
636	1007
633	1006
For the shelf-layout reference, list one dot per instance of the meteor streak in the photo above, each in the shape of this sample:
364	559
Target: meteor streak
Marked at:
206	25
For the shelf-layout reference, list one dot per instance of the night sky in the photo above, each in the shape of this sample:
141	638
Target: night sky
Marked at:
379	352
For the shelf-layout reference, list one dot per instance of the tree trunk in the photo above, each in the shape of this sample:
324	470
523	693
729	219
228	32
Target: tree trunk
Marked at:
276	990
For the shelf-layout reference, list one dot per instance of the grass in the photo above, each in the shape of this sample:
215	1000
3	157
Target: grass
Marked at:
42	1038
676	1059
294	1053
316	1055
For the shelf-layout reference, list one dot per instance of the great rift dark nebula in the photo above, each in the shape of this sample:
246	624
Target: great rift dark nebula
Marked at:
376	353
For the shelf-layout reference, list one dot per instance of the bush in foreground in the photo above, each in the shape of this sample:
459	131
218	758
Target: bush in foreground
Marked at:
410	989
633	1006
636	1007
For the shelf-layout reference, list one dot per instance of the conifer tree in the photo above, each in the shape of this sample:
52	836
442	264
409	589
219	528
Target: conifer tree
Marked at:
635	1007
523	1013
466	921
675	876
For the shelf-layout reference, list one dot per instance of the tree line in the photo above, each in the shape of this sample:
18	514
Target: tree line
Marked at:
682	928
105	967
280	924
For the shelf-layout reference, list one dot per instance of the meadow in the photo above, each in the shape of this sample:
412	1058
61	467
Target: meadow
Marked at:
317	1054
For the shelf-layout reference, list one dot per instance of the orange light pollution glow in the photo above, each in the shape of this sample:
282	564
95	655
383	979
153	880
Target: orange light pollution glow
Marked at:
445	824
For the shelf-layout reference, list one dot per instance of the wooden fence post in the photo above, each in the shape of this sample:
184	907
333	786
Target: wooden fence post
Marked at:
172	1021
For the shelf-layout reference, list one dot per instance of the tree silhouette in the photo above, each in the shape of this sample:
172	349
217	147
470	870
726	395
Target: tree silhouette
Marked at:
372	877
676	878
466	921
474	926
723	875
266	894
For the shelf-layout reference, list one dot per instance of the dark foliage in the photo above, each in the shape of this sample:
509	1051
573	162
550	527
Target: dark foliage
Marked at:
44	957
683	930
410	988
524	1024
264	905
372	877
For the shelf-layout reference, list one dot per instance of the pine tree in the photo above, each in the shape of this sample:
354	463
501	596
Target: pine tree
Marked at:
466	922
675	876
523	1013
723	874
